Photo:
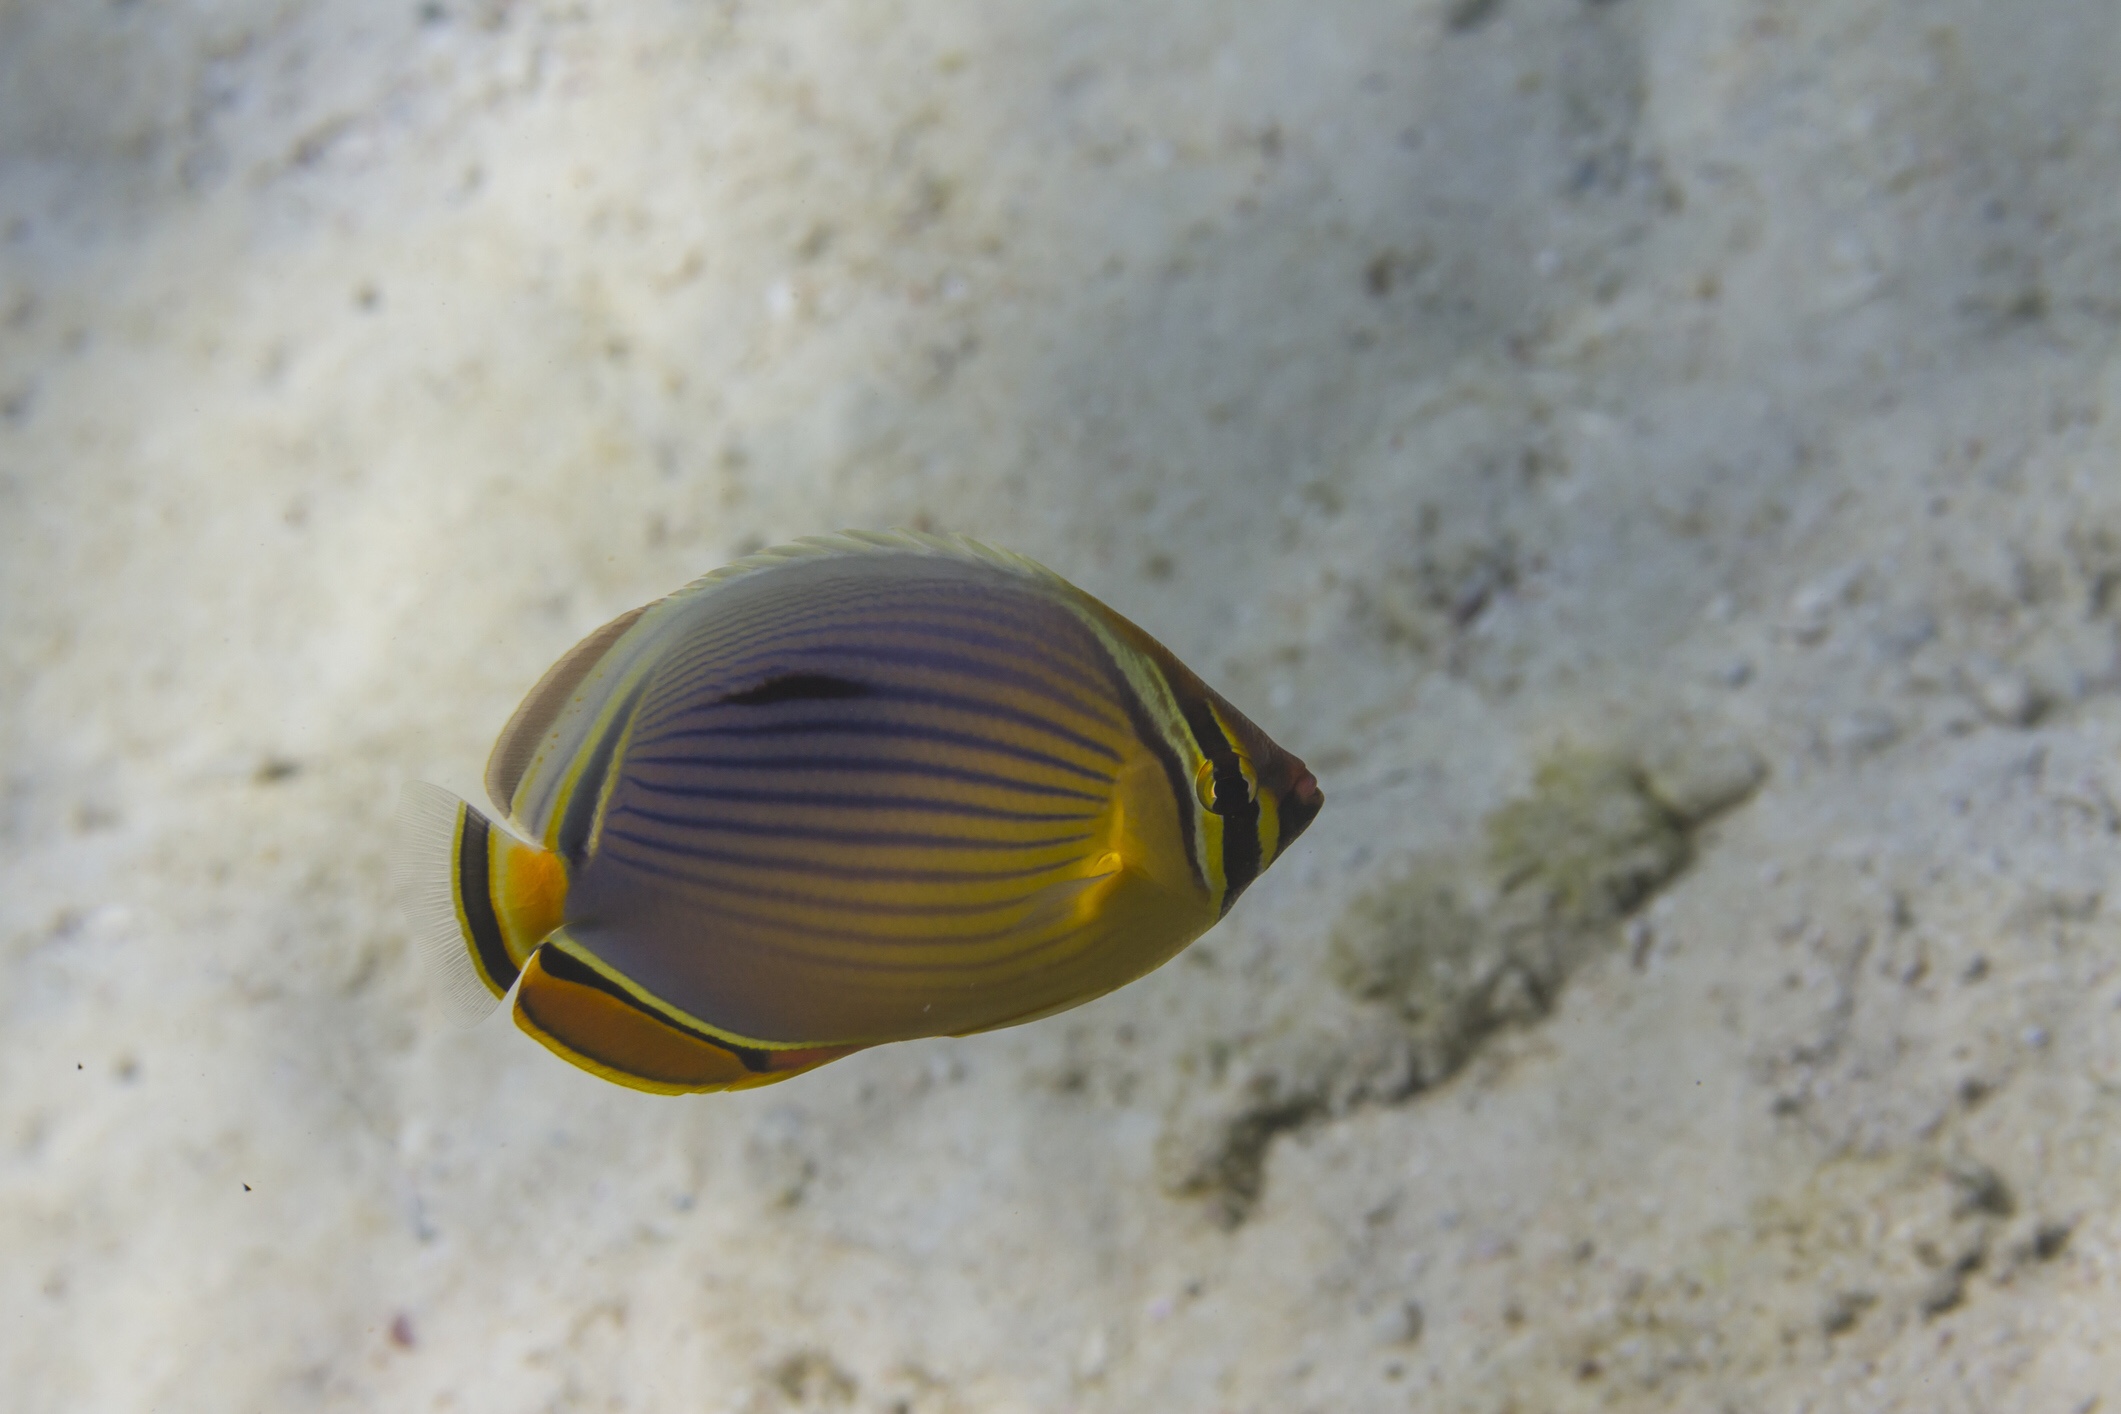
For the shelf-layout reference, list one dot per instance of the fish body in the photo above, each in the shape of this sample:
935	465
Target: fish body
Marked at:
860	789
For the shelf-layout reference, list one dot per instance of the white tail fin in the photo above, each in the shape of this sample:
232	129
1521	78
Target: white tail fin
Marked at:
424	875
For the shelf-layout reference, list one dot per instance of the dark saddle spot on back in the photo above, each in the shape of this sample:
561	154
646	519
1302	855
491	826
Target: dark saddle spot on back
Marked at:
798	687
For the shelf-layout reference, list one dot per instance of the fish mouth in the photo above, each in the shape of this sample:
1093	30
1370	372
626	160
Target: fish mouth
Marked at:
1300	806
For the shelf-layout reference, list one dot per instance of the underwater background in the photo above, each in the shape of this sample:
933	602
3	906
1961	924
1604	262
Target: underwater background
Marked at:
1659	463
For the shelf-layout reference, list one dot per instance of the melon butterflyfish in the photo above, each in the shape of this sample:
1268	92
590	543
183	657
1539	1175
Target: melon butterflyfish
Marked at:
858	789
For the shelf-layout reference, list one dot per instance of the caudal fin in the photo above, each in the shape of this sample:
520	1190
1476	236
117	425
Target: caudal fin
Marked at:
479	900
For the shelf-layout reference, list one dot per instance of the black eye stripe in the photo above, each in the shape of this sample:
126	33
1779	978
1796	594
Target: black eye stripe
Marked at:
1231	786
1233	800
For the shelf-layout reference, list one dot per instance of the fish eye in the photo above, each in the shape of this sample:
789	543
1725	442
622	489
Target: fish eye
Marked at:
1204	784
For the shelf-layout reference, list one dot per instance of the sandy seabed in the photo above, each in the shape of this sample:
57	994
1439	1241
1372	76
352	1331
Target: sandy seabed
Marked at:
1660	462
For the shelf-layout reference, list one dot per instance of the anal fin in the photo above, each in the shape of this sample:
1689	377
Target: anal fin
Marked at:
588	1019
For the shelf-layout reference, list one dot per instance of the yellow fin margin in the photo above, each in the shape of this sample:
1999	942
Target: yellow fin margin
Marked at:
425	852
572	1008
479	899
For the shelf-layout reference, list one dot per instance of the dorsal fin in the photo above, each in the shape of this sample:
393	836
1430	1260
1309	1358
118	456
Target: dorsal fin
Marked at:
528	772
900	541
518	742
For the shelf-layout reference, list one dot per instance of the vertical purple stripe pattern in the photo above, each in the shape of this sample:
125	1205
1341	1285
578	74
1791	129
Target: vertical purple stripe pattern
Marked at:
858	800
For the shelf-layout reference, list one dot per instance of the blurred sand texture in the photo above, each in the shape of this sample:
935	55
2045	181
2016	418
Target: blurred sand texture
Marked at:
1659	461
